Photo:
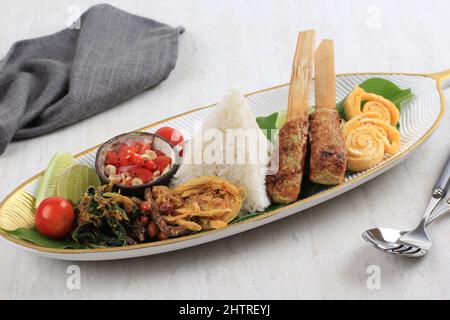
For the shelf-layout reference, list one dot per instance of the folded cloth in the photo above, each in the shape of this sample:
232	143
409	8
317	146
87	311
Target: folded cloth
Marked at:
50	82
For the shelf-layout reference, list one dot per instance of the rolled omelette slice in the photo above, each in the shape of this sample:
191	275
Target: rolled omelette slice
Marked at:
368	138
353	106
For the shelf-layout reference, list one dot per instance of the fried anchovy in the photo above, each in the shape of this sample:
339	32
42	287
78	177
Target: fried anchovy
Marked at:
171	231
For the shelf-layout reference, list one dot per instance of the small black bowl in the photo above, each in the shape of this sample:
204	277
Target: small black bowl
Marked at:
154	140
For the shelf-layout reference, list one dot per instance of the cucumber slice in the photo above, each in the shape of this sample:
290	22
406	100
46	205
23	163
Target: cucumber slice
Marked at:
47	185
281	119
75	181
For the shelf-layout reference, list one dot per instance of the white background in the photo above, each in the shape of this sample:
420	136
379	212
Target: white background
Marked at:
249	45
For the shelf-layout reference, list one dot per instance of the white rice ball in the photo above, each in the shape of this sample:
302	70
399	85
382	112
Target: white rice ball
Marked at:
215	151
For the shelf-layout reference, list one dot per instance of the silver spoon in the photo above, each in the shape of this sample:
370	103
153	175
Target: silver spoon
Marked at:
414	243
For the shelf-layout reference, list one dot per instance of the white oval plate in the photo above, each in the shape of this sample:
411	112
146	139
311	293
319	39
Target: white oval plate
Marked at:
418	120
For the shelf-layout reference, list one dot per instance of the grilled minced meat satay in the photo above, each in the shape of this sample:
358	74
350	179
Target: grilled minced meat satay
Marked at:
328	150
284	186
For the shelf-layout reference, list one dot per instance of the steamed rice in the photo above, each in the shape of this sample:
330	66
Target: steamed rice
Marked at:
232	112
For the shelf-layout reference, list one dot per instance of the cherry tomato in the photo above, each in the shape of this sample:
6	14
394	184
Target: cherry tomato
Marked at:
140	147
171	134
54	217
141	172
137	147
112	158
162	162
122	151
159	153
150	165
138	160
126	155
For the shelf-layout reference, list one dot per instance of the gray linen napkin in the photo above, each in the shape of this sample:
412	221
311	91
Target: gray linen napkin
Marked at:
50	82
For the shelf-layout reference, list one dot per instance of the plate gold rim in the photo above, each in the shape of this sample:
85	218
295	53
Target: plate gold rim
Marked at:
438	77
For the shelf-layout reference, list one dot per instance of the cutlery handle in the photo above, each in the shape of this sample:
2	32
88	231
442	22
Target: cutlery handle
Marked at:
441	187
439	192
444	209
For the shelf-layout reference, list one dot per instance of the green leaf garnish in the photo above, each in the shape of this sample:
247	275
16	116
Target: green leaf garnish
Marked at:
34	236
246	217
272	123
267	124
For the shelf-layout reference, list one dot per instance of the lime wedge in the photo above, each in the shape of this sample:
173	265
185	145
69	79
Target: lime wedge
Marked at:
74	181
47	185
281	119
282	115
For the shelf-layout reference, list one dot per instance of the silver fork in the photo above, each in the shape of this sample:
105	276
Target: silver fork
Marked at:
417	242
387	239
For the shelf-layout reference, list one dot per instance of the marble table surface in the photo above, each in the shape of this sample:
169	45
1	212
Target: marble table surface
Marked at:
249	45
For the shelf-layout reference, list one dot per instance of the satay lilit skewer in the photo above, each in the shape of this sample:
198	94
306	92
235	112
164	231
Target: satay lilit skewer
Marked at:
328	150
284	186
